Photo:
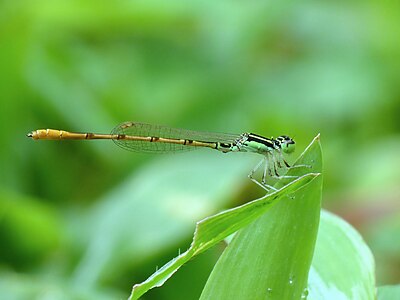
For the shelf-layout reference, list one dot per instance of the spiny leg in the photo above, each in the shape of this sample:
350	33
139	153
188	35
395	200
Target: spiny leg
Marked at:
255	168
262	184
276	162
252	173
266	169
281	158
270	167
289	166
276	165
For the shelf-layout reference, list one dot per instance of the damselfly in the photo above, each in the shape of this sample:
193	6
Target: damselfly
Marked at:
141	137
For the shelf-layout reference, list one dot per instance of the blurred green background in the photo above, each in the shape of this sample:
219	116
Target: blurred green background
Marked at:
86	220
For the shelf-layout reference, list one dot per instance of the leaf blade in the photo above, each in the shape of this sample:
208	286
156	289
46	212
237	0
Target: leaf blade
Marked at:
343	266
215	228
273	254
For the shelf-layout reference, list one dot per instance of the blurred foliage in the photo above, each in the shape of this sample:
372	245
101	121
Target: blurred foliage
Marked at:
389	292
271	68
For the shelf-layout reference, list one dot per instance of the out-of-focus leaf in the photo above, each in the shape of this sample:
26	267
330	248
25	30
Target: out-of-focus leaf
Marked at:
343	265
14	286
389	292
29	230
384	239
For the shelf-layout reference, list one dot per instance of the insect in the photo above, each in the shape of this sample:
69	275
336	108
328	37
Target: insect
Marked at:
142	137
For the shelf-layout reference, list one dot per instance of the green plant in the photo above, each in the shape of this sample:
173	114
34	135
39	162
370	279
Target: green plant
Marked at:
296	215
284	252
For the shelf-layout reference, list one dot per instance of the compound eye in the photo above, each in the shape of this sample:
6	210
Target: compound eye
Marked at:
288	147
283	138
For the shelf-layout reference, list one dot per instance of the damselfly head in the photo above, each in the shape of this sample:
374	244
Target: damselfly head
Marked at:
287	144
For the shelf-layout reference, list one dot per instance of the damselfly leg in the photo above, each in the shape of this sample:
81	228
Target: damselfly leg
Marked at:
263	183
274	166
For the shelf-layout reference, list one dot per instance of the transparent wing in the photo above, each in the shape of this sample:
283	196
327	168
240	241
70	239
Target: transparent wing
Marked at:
150	130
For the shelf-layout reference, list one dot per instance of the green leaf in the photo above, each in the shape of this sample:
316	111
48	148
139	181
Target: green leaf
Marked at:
22	285
215	228
270	258
343	265
389	292
30	230
153	210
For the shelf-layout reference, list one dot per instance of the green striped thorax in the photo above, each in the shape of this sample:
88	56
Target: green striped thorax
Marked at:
250	142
